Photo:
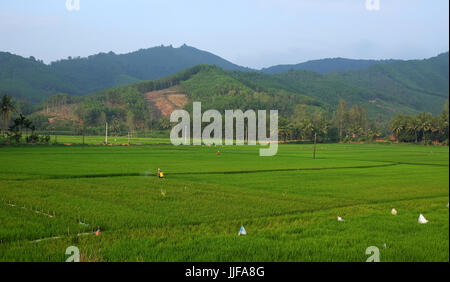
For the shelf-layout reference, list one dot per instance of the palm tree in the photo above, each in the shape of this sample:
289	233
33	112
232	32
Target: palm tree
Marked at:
27	124
425	124
434	129
290	131
16	129
308	129
21	121
6	108
397	126
283	129
414	125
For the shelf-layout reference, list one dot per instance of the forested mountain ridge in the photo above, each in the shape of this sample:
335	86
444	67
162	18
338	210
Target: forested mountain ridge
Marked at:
387	88
28	78
324	66
382	91
420	85
217	89
106	70
31	79
131	106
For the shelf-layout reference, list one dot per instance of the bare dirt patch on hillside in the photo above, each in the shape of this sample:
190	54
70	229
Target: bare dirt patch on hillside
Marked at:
62	112
167	100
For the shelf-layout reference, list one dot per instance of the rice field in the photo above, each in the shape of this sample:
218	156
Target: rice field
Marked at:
53	197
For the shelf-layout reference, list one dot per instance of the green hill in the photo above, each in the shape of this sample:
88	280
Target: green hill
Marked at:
103	71
131	106
385	88
31	79
324	65
220	89
27	78
381	92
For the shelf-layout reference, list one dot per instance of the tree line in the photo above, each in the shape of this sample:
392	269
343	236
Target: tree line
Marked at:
15	126
343	125
126	112
424	127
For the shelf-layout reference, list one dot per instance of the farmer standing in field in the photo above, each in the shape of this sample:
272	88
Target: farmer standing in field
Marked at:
160	173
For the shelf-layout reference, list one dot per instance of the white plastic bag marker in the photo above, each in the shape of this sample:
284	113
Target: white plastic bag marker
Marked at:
422	219
242	231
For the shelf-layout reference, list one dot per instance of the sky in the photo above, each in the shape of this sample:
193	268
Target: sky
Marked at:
251	33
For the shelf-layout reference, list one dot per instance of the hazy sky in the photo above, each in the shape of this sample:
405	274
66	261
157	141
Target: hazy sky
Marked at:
254	33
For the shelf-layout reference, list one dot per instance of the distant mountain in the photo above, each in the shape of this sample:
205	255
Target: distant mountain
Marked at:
215	88
385	88
33	80
109	70
324	66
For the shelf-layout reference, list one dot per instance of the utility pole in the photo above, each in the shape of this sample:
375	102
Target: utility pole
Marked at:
246	134
315	145
106	135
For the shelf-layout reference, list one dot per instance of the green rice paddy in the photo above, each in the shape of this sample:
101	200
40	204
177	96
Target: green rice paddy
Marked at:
288	204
